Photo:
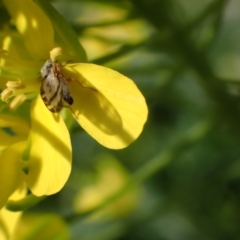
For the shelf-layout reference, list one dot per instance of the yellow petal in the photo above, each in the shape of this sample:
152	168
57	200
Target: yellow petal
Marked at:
10	171
18	125
12	129
8	140
34	26
115	113
17	59
50	154
8	219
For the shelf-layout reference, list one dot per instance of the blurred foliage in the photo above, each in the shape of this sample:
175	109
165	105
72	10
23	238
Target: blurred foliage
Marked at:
183	173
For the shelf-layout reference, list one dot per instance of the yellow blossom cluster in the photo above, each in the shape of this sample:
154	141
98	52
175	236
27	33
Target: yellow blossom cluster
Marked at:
36	149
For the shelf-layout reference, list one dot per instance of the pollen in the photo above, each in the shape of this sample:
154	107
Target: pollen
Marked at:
17	101
12	88
6	94
15	85
55	52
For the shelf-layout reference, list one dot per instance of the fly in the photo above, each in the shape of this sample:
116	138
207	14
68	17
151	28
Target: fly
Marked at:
54	89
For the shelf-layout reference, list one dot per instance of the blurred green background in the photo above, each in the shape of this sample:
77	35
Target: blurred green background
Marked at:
181	179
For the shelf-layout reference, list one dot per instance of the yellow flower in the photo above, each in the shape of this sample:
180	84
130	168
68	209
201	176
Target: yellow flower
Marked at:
12	187
107	104
8	219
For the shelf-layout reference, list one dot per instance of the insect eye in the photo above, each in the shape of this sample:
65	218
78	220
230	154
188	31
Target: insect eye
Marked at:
49	66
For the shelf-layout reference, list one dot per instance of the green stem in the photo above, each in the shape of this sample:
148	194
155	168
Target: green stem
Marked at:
25	203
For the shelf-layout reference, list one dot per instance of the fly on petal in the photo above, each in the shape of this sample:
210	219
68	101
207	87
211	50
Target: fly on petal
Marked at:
54	89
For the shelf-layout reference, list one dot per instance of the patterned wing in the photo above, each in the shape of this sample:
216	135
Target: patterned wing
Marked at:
65	91
51	91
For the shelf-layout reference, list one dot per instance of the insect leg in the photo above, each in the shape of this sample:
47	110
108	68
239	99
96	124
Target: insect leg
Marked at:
69	107
72	79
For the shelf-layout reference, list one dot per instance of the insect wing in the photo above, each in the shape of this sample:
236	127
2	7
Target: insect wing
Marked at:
65	91
54	89
51	92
